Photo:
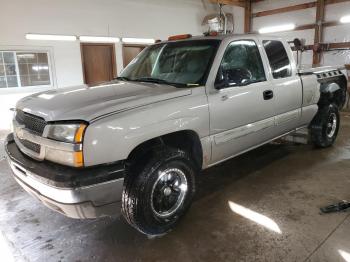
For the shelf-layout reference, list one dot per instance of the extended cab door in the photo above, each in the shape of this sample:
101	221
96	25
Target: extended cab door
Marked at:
287	85
241	100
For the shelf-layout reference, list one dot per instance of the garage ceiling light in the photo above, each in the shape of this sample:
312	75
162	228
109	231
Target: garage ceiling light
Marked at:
345	19
51	37
138	40
278	28
99	39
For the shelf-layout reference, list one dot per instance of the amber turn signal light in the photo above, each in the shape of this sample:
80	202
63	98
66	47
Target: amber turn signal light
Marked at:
79	134
179	37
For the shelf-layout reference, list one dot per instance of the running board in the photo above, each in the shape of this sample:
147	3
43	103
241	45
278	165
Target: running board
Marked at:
300	136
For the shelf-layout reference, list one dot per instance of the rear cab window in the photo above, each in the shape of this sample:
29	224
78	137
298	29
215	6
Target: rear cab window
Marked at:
278	59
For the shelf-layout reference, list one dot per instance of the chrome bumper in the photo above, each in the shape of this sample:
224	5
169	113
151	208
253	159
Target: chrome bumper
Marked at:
84	201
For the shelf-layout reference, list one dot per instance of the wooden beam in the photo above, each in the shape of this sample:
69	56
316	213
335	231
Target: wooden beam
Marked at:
304	27
331	23
285	9
312	26
329	46
247	16
240	3
318	37
295	8
341	45
329	2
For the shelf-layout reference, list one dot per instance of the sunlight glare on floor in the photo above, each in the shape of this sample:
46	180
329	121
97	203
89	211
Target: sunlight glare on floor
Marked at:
5	251
344	255
255	217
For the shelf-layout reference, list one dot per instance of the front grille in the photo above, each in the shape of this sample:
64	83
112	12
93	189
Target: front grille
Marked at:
30	145
33	123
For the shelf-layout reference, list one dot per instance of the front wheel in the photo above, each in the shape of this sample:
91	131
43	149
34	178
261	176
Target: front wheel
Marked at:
325	126
158	195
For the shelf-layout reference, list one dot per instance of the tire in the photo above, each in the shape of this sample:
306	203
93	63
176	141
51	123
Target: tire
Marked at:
153	202
325	126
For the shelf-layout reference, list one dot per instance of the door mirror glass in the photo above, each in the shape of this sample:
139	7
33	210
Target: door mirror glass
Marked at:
241	65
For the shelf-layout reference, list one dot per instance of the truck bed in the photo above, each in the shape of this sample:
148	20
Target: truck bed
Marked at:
322	71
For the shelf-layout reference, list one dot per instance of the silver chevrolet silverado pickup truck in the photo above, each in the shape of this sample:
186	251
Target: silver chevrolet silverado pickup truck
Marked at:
135	145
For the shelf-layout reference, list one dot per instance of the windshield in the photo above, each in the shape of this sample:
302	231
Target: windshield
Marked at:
185	63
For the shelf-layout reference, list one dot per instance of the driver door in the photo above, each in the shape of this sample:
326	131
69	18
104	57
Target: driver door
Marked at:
241	103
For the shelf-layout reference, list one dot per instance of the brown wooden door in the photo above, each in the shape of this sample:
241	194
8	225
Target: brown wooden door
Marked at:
130	52
98	63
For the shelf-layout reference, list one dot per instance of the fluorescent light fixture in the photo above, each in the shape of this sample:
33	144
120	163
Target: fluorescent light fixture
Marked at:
99	39
138	40
345	19
277	28
51	37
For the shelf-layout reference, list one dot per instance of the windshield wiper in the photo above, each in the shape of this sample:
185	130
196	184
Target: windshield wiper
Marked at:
158	81
151	80
122	78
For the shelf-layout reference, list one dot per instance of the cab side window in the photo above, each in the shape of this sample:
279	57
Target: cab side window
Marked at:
241	64
278	58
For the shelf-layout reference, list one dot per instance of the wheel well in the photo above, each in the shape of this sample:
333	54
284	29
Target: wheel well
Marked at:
186	140
338	97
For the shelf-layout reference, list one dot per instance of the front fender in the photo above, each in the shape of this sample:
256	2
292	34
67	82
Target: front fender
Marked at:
113	138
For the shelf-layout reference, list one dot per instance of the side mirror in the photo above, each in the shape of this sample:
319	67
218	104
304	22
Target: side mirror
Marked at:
232	77
299	44
221	82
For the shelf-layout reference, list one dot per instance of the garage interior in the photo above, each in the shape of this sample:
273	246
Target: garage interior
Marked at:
263	205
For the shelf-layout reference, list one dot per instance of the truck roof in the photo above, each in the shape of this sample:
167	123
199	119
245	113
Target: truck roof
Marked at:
227	36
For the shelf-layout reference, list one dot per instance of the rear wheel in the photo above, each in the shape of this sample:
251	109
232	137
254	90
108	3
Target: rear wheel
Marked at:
325	126
157	195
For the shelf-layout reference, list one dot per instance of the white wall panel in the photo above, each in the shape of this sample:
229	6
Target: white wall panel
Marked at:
300	17
238	17
340	33
336	58
336	11
336	34
308	35
274	4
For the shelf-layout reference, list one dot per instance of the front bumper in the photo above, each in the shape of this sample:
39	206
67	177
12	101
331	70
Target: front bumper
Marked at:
77	193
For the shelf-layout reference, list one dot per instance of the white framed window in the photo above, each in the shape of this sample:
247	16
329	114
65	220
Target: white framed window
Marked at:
25	69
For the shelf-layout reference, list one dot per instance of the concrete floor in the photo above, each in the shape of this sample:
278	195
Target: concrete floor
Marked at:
279	186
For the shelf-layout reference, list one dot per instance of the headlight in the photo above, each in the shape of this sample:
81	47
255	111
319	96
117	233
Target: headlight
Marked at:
72	134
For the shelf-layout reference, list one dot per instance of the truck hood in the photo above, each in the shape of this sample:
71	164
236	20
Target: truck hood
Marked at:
88	103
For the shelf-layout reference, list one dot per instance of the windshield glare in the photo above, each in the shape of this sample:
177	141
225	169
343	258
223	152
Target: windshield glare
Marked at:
185	63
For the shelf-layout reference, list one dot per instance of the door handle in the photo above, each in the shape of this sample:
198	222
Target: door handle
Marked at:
224	98
268	94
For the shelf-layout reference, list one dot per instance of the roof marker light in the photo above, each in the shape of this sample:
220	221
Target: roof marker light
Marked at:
179	37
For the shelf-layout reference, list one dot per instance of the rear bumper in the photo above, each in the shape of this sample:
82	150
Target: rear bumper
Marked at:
76	193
